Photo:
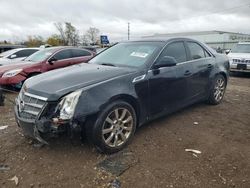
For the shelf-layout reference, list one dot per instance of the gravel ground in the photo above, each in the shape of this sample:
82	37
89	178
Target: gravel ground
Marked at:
221	133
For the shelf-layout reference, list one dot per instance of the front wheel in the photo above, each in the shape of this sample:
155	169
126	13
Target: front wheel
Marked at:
114	127
218	90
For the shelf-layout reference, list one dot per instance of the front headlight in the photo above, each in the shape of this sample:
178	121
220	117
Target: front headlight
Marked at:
67	105
12	73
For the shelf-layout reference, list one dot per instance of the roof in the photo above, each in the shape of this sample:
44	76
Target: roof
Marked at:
160	39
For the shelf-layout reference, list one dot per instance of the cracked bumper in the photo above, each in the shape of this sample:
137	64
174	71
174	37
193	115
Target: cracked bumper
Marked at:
43	129
30	128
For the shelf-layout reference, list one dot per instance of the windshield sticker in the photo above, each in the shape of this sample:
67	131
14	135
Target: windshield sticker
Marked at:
48	53
139	54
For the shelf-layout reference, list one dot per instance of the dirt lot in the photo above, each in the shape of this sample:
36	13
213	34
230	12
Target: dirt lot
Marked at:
222	134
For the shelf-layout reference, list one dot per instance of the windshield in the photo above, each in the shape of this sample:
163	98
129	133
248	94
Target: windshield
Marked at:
40	55
241	48
132	54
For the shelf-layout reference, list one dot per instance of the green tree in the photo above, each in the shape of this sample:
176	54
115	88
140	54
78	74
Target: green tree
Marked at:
55	40
34	41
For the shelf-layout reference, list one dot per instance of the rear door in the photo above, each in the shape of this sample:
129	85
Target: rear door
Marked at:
203	63
80	55
169	86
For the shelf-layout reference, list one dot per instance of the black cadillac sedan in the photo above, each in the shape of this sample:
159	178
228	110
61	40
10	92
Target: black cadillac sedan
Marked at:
120	89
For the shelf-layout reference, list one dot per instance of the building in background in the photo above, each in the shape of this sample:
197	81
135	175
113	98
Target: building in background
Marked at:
215	39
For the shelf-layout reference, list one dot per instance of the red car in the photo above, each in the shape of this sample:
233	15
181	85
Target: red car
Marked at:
42	61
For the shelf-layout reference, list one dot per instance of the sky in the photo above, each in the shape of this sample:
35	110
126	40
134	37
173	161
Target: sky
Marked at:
22	18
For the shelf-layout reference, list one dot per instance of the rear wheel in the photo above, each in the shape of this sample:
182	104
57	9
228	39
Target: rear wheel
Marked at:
218	90
114	127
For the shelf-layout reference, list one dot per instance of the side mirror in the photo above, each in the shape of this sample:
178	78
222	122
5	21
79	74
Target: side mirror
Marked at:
227	52
166	61
52	60
13	56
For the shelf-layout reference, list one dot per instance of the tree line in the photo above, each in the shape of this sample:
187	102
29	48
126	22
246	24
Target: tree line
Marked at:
67	35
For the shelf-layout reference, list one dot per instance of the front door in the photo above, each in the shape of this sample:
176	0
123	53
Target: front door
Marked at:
168	86
62	58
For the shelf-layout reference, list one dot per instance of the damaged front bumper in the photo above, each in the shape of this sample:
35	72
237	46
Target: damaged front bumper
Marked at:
42	129
39	118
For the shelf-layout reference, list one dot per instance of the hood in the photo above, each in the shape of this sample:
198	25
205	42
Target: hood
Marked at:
239	55
55	84
15	65
4	60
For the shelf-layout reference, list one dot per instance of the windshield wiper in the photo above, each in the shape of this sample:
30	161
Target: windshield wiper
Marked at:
108	64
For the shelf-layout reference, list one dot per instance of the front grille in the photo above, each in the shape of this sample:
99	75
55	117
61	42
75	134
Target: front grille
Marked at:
247	61
30	106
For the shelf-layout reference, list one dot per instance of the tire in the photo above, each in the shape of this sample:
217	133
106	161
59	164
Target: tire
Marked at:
113	128
17	87
218	90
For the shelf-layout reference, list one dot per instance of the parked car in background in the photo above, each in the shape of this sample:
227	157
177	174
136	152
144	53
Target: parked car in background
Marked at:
42	61
120	89
240	57
15	55
6	47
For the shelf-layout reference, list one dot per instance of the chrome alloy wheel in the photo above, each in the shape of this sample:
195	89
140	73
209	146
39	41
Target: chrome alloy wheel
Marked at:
117	127
219	89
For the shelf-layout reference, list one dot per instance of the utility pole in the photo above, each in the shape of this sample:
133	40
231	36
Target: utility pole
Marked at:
128	30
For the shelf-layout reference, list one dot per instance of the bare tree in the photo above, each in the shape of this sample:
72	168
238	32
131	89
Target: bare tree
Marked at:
68	33
59	26
92	34
84	40
71	33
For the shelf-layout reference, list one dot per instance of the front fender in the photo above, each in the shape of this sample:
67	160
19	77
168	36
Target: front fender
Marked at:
95	98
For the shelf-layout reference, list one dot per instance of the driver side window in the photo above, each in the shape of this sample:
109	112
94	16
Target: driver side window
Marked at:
176	50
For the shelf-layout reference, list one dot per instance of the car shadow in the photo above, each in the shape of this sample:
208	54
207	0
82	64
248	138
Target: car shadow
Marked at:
63	143
161	120
240	74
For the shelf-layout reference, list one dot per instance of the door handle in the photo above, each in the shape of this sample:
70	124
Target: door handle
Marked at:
187	73
209	66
